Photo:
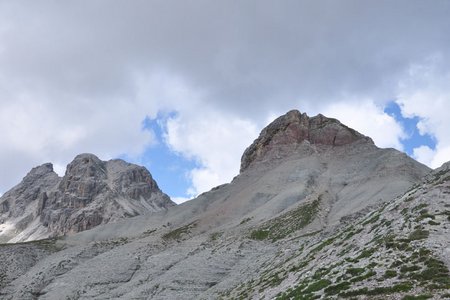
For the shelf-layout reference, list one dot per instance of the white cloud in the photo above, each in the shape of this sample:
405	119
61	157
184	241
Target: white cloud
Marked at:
442	156
425	92
81	76
432	157
369	119
35	131
59	169
179	200
424	154
215	140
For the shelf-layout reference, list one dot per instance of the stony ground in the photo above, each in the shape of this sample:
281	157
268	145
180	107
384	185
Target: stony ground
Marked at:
398	250
320	222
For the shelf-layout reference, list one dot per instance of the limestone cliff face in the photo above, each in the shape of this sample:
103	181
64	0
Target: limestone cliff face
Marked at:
92	192
284	135
18	206
33	187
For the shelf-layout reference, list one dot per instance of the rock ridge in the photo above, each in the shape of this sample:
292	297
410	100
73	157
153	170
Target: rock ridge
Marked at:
92	192
283	136
14	202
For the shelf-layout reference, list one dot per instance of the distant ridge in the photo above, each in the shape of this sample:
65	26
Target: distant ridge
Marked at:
92	192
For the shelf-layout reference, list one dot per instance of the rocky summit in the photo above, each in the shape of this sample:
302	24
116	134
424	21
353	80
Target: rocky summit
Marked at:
284	135
317	212
92	192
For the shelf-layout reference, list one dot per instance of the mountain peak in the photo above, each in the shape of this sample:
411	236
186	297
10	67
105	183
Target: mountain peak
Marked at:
287	132
92	192
85	165
40	171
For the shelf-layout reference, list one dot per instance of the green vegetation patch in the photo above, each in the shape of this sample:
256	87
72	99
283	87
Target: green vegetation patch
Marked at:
398	288
390	274
305	291
259	234
363	254
337	288
418	234
372	219
419	297
436	271
408	269
149	232
423	214
433	223
179	232
50	244
282	226
354	293
363	277
215	236
274	280
318	285
322	245
297	292
321	272
420	206
353	232
246	220
355	271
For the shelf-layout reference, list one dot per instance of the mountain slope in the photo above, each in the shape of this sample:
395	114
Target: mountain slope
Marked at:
92	192
399	251
270	229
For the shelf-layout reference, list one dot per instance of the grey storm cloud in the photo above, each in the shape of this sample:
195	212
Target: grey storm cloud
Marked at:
241	54
80	62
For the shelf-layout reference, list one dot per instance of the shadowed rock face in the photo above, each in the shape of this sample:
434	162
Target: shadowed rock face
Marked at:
92	192
84	178
88	195
286	133
33	187
132	180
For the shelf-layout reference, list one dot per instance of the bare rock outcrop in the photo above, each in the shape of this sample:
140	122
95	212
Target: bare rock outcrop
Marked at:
92	192
284	135
18	206
32	187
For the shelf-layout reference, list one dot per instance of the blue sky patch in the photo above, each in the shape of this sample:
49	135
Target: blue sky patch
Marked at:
169	169
414	139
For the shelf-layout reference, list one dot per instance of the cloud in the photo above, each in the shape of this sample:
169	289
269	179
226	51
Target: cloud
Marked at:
371	120
250	54
424	154
425	93
36	130
213	139
179	200
82	75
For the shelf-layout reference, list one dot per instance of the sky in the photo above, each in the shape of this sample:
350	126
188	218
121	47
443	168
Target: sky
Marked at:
183	87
